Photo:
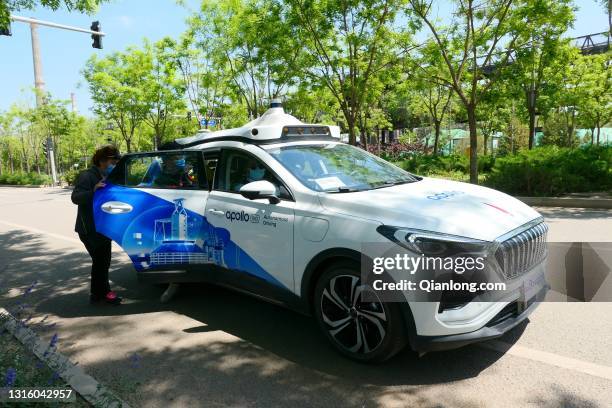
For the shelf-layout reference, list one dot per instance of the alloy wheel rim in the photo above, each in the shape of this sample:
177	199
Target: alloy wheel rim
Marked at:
356	325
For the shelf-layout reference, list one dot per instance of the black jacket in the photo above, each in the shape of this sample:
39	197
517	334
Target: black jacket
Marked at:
82	195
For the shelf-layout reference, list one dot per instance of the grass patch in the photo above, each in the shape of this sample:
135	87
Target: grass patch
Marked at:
20	368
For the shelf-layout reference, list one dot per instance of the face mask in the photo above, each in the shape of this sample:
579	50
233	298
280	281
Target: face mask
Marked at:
109	169
180	163
256	174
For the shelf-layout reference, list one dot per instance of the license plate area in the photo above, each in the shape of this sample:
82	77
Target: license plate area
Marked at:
529	290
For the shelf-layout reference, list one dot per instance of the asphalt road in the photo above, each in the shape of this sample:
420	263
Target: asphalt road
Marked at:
212	347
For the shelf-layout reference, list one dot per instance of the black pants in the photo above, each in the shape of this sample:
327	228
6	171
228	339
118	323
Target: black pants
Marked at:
99	248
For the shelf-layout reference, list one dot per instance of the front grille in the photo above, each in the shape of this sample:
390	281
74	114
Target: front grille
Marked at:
520	253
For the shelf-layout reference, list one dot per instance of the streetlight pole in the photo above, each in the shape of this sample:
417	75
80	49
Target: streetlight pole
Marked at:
39	88
39	83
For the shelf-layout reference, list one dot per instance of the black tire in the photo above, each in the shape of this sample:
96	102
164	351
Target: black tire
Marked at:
344	319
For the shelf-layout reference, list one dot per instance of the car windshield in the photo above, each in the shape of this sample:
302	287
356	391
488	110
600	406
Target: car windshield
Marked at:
338	168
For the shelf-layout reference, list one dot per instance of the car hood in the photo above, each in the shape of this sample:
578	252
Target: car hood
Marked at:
437	205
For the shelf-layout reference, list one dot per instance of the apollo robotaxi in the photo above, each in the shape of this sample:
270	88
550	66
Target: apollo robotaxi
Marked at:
282	210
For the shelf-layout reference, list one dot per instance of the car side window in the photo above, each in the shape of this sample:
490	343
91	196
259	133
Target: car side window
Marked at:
239	168
173	170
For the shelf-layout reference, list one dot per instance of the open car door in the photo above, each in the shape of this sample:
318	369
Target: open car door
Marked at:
153	207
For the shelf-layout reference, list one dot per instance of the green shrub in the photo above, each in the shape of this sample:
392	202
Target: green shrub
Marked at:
24	179
437	165
552	171
70	176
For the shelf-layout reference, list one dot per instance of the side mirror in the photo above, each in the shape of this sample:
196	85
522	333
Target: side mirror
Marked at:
260	189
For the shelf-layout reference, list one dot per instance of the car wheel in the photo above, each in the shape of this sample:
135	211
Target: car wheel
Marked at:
371	331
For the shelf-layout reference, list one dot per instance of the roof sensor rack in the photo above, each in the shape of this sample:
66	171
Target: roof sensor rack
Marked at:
274	125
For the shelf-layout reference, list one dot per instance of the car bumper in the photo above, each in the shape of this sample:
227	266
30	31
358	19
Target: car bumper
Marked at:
508	318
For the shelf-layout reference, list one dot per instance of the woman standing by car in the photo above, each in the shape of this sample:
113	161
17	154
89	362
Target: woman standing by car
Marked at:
98	246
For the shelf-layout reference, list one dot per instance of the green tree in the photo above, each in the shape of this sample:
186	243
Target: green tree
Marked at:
573	95
515	132
116	87
348	45
203	80
595	104
162	88
429	97
493	116
475	48
53	120
536	66
313	105
251	44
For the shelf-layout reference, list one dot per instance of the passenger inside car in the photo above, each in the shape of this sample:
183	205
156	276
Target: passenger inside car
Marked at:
175	172
246	172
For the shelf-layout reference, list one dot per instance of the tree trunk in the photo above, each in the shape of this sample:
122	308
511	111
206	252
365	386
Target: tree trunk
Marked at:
11	162
570	131
156	137
25	157
532	114
363	133
471	112
437	125
350	123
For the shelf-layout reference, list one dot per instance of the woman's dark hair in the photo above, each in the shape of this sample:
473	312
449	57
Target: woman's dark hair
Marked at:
104	153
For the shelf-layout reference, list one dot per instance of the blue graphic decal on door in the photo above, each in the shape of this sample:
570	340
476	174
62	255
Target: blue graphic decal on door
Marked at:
159	233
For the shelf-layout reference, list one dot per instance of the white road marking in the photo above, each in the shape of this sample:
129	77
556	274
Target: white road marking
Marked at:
39	231
545	357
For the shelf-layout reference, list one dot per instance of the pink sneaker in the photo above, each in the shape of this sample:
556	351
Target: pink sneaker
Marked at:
112	298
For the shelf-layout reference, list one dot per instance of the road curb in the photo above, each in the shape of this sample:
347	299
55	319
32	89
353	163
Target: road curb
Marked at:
85	385
575	202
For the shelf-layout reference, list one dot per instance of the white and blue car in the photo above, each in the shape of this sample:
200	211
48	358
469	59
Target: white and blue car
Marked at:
282	209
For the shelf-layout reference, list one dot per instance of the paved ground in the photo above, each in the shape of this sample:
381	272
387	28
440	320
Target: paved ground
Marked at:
213	347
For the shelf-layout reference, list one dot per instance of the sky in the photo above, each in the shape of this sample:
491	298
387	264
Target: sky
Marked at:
127	22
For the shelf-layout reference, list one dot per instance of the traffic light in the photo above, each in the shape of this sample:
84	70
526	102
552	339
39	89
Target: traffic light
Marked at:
189	116
6	30
97	39
45	148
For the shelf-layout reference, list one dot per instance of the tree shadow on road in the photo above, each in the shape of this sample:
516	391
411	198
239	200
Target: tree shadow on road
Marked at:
277	350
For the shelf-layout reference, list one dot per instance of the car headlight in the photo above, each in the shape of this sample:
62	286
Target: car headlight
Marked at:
434	244
438	245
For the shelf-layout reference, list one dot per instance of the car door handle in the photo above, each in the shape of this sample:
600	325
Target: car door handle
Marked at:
216	212
116	207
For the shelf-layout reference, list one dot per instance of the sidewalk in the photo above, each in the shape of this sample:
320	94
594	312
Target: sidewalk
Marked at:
575	200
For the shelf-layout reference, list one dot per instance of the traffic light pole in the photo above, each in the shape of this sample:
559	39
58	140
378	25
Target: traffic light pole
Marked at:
55	25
